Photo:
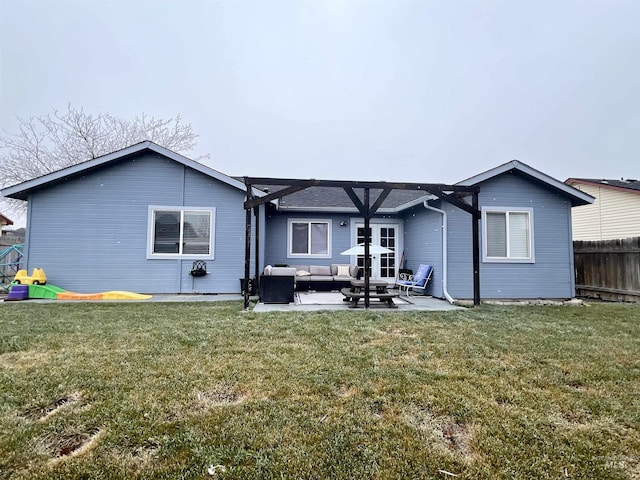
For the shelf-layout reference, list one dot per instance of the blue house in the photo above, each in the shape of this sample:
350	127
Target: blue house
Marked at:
138	218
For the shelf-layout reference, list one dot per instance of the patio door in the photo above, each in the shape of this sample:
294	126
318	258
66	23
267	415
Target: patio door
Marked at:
383	266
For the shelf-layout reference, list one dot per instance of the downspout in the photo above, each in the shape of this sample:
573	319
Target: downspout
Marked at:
444	250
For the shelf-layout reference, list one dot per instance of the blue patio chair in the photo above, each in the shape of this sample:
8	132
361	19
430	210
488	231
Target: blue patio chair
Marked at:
407	282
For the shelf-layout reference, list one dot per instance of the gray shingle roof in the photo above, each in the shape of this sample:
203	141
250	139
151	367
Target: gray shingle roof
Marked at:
335	197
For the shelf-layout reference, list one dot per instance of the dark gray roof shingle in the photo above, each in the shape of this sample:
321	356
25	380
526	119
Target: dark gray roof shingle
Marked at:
335	197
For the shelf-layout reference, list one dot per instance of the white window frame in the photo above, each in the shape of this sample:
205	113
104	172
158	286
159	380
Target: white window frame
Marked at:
151	233
309	221
508	259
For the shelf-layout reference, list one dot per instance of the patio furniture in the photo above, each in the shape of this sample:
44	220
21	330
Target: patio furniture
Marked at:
278	286
418	281
378	286
317	277
377	289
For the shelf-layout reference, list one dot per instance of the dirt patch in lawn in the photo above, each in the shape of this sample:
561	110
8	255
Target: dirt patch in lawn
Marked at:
42	413
451	435
456	437
64	445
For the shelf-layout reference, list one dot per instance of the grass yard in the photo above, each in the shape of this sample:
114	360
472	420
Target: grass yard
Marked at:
204	390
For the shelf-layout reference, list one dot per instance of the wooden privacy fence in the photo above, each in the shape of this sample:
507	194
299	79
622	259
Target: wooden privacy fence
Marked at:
608	269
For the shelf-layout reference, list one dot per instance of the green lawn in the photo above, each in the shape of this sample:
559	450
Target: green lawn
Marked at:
152	390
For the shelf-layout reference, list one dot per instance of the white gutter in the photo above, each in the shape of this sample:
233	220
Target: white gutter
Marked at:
444	250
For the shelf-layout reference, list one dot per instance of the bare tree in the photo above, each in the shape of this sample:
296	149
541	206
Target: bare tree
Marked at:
60	139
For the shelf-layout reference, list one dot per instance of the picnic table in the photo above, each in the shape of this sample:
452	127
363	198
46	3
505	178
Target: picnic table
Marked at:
377	289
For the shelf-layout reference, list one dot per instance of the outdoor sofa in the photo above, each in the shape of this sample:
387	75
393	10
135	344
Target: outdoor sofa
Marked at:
316	277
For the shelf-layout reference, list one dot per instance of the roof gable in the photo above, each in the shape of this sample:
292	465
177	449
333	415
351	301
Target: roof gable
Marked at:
576	196
22	190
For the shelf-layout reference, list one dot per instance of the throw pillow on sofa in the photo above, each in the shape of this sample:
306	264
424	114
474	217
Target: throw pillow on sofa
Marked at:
343	270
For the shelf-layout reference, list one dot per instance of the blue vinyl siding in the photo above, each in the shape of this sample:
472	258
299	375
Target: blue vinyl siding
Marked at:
551	276
423	244
89	233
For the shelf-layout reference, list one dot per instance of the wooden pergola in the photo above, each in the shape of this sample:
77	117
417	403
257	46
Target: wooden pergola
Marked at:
367	207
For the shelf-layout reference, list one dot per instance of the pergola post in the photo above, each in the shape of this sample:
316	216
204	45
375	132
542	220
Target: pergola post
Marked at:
475	233
256	212
367	241
247	250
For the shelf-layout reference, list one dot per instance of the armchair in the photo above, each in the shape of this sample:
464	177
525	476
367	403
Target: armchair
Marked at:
418	281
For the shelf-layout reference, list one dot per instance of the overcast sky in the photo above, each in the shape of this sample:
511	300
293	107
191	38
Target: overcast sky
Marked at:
431	91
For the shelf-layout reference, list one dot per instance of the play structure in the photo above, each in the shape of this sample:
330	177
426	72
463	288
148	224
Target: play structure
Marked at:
10	261
25	287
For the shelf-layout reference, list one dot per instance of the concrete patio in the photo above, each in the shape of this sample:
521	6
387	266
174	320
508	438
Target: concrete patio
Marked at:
417	303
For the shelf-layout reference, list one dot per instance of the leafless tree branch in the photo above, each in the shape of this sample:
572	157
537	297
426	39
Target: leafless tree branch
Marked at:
61	139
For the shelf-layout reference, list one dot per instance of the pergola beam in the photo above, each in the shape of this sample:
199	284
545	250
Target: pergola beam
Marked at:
426	187
254	202
356	201
381	198
447	193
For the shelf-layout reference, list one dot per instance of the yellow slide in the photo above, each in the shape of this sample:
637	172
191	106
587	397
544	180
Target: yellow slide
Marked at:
112	295
121	295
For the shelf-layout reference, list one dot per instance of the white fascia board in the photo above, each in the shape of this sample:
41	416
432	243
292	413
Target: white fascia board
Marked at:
581	197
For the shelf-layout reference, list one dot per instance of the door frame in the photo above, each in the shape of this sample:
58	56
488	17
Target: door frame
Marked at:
375	224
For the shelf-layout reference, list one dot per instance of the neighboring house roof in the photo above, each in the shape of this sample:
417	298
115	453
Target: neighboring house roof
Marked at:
22	190
515	166
5	220
632	186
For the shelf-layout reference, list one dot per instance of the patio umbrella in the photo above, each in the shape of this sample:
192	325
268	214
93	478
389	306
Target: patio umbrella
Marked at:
373	250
